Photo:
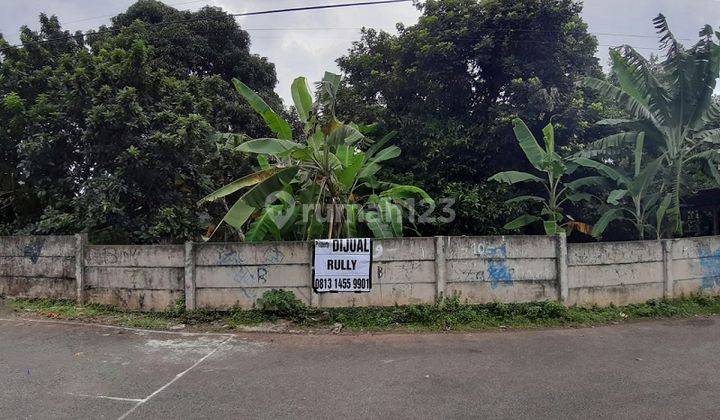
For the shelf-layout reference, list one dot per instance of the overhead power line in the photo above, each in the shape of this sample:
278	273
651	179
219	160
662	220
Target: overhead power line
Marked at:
357	28
329	6
261	12
324	6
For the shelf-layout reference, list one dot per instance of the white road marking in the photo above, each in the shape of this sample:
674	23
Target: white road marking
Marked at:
105	397
178	376
116	327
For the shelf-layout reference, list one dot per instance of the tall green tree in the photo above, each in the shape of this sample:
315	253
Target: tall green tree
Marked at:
451	85
671	103
110	131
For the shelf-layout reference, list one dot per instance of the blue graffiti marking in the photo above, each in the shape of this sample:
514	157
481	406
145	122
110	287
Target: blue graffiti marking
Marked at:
710	266
498	271
499	274
491	251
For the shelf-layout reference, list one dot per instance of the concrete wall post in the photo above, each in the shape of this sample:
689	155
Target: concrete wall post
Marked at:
562	267
315	297
81	240
668	279
190	276
440	267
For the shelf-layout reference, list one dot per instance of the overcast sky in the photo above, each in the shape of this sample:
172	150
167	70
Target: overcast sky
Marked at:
307	43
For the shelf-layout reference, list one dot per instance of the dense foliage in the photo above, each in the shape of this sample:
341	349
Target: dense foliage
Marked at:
114	132
557	191
109	132
673	112
324	187
452	84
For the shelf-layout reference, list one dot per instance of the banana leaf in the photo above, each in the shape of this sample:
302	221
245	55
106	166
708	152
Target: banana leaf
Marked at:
302	98
535	154
278	125
269	146
243	182
514	177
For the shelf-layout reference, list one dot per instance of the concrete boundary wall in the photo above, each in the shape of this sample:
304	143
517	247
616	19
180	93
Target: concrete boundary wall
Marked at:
139	277
619	273
38	266
405	271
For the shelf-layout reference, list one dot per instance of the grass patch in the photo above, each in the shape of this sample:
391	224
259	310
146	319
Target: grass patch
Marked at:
445	315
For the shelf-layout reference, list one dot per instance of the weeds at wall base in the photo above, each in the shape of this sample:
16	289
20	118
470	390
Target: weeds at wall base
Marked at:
445	315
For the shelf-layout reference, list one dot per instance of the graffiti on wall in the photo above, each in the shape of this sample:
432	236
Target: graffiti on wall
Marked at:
33	249
497	272
710	266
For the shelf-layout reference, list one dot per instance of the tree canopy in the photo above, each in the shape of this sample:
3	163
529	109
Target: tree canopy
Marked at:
110	132
452	84
114	131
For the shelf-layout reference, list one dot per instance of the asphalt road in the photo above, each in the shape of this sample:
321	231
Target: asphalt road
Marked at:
643	370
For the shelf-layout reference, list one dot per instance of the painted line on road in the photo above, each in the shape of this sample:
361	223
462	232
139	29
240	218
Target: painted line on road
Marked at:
178	376
105	397
117	327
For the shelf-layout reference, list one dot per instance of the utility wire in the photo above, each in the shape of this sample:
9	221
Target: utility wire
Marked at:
324	6
357	28
262	12
329	6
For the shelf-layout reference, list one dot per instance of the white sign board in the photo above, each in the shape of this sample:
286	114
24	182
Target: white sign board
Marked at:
342	265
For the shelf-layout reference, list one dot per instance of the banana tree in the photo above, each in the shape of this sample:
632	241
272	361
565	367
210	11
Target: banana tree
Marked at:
634	199
323	187
555	168
672	103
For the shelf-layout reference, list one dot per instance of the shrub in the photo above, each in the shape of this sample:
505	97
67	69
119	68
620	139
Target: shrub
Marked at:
282	304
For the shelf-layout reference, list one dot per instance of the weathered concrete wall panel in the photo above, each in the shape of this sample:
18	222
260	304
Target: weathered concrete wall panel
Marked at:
50	267
37	246
501	271
500	247
394	272
383	295
134	256
135	300
527	291
707	286
614	274
246	298
696	266
614	253
213	254
37	287
405	271
137	278
37	266
696	247
617	295
404	249
253	276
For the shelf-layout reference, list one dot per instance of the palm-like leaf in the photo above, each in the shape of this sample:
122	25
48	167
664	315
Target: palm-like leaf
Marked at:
302	98
635	107
246	181
514	177
278	125
328	178
535	154
269	146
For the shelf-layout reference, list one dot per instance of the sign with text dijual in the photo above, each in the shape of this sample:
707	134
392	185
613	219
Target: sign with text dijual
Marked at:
342	265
